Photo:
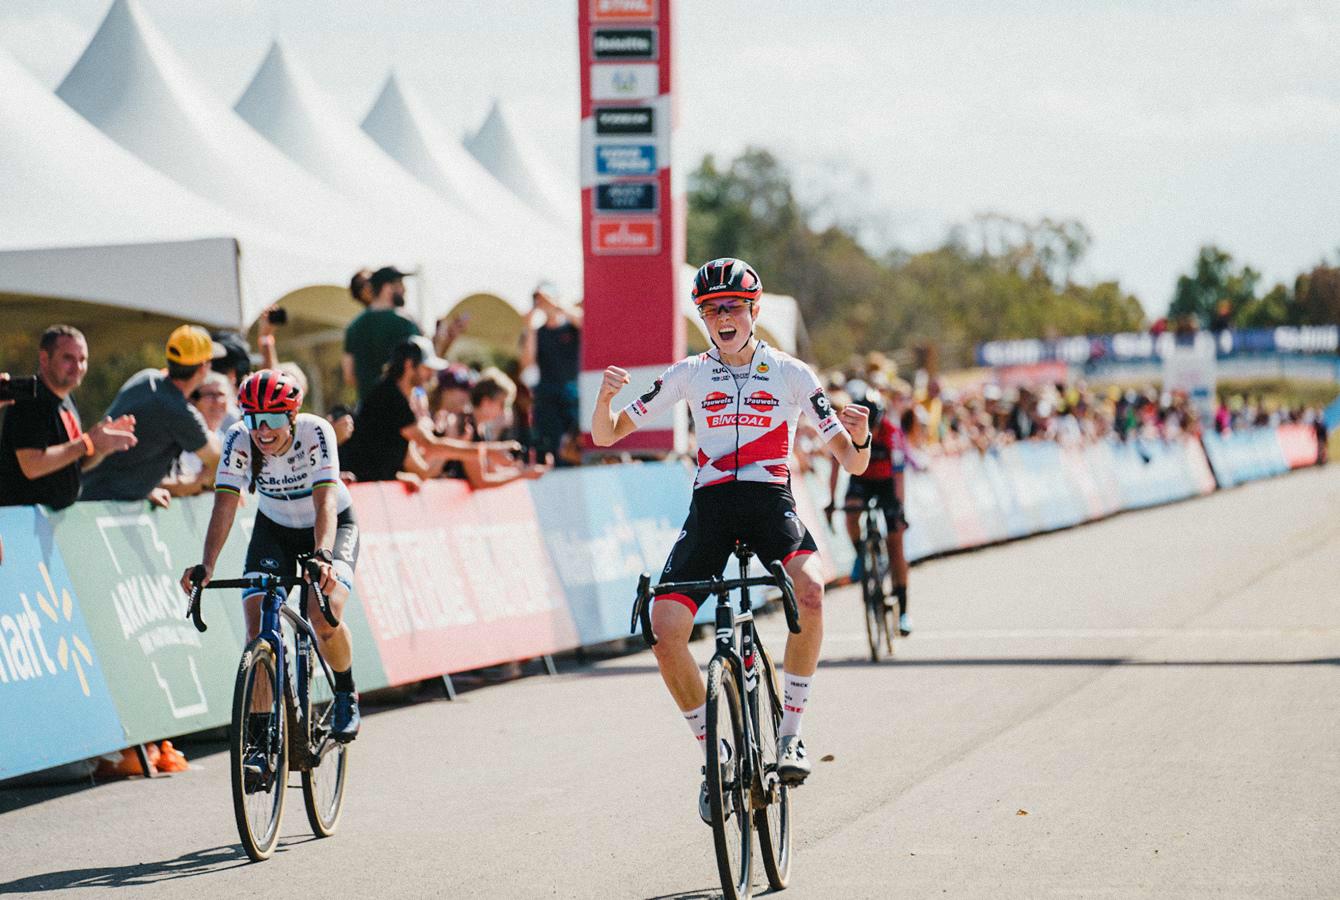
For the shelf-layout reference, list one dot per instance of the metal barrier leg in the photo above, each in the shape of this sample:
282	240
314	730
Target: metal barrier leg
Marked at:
549	666
449	687
145	766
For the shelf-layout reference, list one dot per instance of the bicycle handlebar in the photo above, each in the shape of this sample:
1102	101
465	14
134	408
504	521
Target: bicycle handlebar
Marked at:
777	578
262	582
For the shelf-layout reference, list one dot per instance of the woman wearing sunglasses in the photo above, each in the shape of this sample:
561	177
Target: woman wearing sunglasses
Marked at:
745	398
291	460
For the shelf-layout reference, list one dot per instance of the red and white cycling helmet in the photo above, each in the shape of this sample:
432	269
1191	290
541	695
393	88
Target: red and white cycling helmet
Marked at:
269	391
726	277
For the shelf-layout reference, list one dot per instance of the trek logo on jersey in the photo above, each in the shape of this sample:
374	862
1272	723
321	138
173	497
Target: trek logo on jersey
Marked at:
716	401
761	401
747	420
651	394
822	408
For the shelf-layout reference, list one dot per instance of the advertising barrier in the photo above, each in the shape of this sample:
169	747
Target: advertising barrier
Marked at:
95	652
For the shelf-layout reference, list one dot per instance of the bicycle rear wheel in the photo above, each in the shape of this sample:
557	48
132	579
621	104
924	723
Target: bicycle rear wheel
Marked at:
728	795
772	814
323	780
259	751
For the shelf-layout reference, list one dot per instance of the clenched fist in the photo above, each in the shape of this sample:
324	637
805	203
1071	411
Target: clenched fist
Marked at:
856	419
613	382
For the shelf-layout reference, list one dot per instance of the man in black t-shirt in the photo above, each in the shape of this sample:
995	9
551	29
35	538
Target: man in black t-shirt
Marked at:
553	347
43	449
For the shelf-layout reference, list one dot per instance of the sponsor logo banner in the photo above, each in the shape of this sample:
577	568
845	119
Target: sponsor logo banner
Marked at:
747	420
625	236
623	10
625	159
54	703
635	81
488	595
627	196
625	120
624	43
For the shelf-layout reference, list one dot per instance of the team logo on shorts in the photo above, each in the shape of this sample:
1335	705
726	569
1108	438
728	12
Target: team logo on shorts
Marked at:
761	401
270	565
716	401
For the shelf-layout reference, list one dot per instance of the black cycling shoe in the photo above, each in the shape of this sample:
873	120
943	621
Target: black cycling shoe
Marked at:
345	719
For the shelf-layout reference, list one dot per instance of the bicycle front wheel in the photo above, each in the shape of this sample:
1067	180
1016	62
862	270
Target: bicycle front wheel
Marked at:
728	795
872	594
772	814
259	751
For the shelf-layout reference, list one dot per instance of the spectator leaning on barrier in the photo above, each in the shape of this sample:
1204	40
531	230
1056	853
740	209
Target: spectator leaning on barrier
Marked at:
43	450
553	347
375	332
386	425
167	424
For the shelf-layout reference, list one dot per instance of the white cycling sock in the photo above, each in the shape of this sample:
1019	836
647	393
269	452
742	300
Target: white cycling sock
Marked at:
795	694
697	719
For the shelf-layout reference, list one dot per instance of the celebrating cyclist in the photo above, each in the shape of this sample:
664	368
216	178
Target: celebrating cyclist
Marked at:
882	479
290	459
745	398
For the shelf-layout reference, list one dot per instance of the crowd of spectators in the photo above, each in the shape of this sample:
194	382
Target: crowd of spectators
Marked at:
414	416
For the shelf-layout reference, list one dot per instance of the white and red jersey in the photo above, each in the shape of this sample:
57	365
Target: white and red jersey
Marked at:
285	482
745	417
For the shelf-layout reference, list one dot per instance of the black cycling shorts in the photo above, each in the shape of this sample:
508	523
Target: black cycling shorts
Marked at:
762	515
859	490
274	548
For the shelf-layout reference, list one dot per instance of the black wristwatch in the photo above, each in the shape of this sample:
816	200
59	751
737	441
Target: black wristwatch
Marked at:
869	436
324	555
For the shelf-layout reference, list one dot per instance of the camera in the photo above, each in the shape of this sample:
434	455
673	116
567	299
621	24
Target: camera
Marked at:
19	388
277	316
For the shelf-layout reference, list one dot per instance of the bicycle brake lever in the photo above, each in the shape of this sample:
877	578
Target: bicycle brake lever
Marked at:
642	610
788	590
193	610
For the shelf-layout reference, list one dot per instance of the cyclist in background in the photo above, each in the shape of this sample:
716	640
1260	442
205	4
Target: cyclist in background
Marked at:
745	398
290	459
882	479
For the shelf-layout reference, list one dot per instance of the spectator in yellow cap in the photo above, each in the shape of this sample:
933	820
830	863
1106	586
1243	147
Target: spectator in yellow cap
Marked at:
167	425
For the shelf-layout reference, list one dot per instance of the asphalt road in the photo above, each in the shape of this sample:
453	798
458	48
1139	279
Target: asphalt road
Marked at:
1146	706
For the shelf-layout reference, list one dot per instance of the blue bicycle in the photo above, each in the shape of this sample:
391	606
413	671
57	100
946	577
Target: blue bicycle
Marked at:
281	718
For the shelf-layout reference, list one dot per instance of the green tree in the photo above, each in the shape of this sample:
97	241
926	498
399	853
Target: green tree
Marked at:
1213	278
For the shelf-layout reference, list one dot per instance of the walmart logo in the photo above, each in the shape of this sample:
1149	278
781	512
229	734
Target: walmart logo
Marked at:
24	653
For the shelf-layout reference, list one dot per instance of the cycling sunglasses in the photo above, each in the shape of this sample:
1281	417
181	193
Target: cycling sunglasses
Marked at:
725	308
273	421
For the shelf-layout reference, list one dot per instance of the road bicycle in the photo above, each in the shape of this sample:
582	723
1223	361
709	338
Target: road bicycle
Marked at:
744	711
281	715
881	605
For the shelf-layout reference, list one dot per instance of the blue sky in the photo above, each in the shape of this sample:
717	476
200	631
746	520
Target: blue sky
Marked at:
1160	130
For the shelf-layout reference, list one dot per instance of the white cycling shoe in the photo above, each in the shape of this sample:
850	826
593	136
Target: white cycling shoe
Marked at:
793	763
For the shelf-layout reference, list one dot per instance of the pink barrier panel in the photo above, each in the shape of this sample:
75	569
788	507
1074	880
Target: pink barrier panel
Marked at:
452	580
960	505
1199	464
1299	443
811	513
1098	493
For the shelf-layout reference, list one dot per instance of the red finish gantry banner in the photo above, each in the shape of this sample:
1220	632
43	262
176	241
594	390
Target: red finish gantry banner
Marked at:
632	222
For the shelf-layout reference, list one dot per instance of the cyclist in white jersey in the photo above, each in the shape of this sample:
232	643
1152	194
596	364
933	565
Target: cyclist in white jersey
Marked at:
291	460
745	398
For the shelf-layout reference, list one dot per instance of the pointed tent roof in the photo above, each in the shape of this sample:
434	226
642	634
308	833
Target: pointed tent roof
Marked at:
94	223
131	84
519	164
465	251
400	124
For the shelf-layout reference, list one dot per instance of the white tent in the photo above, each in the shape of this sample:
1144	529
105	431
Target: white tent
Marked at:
91	222
515	161
464	250
401	125
130	83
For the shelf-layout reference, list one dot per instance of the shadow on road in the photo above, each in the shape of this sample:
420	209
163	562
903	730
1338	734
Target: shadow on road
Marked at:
201	862
1089	661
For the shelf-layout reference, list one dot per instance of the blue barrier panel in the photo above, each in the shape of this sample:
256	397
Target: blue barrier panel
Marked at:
1243	456
602	527
54	703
